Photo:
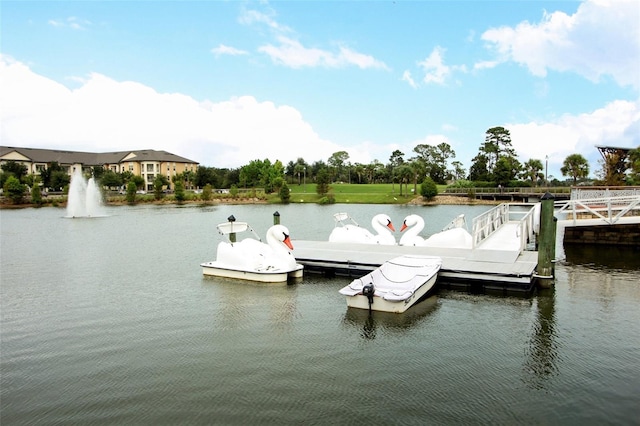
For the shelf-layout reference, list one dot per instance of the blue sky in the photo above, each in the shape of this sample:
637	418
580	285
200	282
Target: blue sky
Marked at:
224	83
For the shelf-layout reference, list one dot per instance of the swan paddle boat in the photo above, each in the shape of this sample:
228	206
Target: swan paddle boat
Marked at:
250	258
347	230
454	235
395	286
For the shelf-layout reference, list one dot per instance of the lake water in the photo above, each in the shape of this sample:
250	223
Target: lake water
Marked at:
110	321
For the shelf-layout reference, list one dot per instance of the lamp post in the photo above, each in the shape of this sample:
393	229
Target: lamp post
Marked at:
305	179
546	168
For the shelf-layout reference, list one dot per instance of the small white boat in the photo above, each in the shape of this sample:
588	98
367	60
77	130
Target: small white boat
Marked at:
395	286
250	258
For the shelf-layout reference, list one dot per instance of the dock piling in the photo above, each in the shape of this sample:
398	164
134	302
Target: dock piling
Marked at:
546	241
276	218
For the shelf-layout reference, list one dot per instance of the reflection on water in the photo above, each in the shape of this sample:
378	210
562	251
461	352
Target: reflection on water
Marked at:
542	351
603	257
370	322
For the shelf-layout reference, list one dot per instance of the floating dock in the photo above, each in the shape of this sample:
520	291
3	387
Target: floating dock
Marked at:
497	260
486	269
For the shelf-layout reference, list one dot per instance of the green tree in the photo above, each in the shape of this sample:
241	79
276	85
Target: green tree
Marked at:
497	143
47	175
575	166
299	170
138	181
532	170
159	183
18	170
506	169
14	190
233	191
284	193
131	192
428	188
179	192
36	194
336	163
111	179
322	182
207	192
395	160
479	170
59	180
404	174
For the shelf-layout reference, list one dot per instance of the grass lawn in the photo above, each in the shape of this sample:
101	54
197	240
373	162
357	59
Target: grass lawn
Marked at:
383	193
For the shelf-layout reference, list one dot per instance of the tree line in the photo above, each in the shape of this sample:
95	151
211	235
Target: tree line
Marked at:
496	164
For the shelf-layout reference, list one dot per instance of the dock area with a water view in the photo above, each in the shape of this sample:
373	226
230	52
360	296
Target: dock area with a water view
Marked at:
503	256
500	258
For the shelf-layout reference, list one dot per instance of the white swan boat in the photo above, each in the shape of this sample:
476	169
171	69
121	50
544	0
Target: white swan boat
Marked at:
251	259
347	230
395	286
454	235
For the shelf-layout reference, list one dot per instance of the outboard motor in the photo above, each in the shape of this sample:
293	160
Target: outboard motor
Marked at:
368	290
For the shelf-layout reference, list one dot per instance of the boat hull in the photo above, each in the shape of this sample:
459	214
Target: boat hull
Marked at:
264	276
360	301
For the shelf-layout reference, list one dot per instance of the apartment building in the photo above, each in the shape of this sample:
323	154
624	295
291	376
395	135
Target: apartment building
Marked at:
147	163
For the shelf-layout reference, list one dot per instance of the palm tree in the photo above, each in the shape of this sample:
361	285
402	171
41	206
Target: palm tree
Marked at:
576	166
533	170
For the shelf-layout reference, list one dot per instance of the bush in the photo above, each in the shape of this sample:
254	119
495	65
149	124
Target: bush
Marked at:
131	192
207	192
14	189
285	194
36	195
329	199
179	193
428	188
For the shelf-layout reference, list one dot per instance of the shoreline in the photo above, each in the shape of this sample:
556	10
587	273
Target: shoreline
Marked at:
416	201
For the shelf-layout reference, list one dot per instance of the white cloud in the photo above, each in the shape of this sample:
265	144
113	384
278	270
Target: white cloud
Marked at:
616	124
293	54
601	39
406	76
106	115
72	22
434	68
435	71
250	17
227	50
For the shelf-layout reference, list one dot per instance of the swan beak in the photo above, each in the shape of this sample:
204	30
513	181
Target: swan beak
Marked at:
404	226
287	241
390	226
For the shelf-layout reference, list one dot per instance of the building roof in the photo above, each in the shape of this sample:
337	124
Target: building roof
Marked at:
38	155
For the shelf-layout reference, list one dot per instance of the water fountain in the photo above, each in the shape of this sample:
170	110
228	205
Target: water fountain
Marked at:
84	199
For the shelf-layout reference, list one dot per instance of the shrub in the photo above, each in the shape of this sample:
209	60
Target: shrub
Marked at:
131	192
36	195
207	192
14	189
428	188
284	193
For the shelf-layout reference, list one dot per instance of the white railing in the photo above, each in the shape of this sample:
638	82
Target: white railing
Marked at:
608	209
526	226
490	221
